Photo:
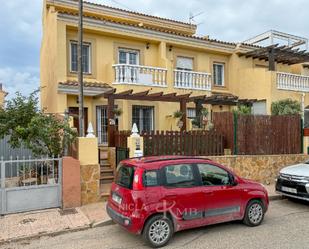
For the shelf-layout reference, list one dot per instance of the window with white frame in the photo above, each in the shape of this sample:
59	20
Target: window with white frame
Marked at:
128	56
218	74
86	57
191	113
184	63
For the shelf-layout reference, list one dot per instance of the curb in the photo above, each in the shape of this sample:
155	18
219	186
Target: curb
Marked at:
276	197
53	234
49	234
103	223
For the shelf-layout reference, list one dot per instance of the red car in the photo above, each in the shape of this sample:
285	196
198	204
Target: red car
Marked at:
157	196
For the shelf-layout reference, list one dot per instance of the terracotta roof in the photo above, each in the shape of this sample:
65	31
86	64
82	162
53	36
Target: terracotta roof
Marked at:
138	13
74	83
152	28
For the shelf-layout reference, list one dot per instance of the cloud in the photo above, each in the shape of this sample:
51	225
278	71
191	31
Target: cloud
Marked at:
25	81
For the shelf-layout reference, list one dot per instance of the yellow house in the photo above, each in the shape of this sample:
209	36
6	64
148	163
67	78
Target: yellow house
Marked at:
2	95
125	50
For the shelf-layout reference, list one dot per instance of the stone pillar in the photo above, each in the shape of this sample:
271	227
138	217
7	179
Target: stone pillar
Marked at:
71	185
89	169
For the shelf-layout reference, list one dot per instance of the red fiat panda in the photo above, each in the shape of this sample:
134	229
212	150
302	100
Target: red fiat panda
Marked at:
157	196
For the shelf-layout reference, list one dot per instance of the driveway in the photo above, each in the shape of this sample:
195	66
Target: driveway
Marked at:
285	226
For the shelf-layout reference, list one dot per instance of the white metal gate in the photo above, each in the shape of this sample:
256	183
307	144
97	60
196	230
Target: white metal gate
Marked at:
30	184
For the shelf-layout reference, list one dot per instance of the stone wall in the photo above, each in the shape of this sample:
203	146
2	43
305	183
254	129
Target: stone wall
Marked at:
90	183
261	168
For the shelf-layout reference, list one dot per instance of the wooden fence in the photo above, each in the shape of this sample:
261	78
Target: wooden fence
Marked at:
195	143
260	134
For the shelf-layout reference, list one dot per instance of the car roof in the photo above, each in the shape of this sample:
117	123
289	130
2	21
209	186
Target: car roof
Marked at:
155	162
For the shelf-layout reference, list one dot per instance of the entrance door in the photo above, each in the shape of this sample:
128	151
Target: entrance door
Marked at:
73	111
102	123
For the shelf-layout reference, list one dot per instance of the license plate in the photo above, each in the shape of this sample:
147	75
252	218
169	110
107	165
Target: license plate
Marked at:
116	198
290	190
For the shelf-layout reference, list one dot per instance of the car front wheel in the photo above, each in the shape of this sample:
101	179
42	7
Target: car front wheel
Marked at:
158	231
254	213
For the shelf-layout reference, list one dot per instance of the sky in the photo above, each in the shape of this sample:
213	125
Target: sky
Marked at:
228	20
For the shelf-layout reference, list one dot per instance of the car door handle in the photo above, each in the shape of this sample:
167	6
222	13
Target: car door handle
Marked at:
171	196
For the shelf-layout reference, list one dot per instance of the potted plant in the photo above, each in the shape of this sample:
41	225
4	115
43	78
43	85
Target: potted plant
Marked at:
117	112
178	115
204	116
195	123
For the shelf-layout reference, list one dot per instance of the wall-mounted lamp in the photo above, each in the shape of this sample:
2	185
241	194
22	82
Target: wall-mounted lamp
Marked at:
148	45
170	48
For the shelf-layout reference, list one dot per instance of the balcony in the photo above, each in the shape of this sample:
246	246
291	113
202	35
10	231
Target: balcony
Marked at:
292	82
192	80
140	75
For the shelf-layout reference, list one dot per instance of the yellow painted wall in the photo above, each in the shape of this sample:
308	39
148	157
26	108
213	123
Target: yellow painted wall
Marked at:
2	97
244	77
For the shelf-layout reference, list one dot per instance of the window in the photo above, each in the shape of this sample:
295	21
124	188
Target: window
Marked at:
150	178
127	56
259	108
85	57
218	72
306	117
142	116
191	113
184	63
179	176
213	176
124	176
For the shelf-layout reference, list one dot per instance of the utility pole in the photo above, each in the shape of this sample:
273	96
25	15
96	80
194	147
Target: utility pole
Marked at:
80	69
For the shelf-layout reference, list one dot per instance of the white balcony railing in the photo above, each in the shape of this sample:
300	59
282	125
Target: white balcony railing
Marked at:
140	75
293	82
192	80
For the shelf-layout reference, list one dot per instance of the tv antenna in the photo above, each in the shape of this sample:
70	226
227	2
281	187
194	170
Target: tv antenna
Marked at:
192	17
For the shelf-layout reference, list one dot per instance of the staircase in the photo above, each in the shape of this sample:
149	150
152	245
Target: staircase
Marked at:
106	174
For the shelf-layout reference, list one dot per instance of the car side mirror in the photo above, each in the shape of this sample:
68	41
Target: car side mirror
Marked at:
233	181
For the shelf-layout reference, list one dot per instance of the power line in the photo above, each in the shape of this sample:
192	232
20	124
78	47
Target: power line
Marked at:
121	4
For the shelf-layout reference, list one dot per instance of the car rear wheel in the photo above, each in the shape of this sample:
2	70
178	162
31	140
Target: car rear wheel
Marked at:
254	213
158	231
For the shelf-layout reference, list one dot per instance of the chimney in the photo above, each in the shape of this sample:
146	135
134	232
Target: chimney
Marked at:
0	86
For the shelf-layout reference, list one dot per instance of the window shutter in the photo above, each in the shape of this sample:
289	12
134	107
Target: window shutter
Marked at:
184	63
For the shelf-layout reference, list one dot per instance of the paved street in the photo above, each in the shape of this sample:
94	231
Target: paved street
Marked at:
285	226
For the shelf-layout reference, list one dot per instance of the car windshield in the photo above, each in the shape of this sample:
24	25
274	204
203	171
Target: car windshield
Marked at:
124	176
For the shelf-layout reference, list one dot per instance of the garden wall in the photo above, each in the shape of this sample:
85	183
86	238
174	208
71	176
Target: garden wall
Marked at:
261	168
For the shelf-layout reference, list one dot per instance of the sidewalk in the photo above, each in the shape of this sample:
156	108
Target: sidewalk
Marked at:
55	221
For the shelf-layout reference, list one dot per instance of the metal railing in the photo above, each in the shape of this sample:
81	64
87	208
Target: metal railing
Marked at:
140	75
30	172
192	80
292	82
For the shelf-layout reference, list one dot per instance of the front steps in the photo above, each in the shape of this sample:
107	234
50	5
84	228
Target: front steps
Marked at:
106	174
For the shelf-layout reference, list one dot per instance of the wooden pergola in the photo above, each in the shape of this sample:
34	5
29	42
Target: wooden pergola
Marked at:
280	54
182	99
142	96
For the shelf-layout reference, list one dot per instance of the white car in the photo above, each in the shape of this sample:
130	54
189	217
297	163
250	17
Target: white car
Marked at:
293	181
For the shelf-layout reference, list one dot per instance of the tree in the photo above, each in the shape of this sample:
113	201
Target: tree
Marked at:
26	125
285	107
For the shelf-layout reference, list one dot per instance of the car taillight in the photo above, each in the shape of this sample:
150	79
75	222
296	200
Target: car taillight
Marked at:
138	180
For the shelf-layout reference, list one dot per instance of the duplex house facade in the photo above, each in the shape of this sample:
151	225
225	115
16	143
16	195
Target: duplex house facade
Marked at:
132	53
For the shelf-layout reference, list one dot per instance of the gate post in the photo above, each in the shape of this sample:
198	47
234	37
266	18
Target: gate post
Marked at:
89	169
2	188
